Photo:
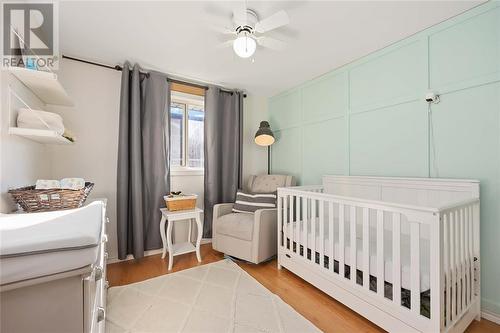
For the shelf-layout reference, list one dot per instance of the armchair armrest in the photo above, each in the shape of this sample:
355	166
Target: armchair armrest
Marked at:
265	234
222	209
218	211
268	215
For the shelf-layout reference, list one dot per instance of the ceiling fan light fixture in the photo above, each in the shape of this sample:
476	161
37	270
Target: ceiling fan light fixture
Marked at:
244	46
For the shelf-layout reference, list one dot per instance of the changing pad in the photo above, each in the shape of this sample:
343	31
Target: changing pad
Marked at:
41	244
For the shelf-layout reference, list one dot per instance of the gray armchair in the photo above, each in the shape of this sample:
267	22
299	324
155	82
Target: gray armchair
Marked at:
251	237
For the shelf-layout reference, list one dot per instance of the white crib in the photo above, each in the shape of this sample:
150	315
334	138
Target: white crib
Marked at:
417	237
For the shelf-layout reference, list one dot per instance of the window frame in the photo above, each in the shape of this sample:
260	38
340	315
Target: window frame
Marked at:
184	169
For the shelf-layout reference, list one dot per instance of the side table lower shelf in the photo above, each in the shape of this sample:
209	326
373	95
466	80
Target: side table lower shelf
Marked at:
182	248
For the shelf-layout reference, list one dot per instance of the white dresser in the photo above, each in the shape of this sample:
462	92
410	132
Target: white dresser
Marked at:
53	271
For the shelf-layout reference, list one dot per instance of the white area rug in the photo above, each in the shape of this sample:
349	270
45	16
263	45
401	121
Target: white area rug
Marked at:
218	297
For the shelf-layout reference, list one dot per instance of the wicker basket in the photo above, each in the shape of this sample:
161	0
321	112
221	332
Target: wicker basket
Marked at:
180	202
32	200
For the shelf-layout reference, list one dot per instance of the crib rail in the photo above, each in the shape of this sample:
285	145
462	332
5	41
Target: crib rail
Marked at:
460	260
403	258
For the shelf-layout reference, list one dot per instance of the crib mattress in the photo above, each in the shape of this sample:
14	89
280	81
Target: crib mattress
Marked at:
41	244
388	272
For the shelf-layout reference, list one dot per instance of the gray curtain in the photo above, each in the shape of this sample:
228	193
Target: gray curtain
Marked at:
223	149
143	168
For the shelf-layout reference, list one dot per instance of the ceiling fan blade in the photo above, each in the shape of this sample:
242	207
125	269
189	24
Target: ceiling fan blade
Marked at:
227	43
271	43
222	30
240	12
213	10
274	21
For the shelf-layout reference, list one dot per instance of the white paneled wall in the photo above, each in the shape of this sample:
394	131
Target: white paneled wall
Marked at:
94	121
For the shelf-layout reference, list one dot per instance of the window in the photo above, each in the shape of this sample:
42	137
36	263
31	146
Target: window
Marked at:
196	117
187	116
177	112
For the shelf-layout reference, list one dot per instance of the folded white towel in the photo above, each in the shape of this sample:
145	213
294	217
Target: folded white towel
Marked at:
65	184
37	119
46	184
72	183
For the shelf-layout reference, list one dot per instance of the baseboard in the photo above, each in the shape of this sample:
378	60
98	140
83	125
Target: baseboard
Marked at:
494	317
152	252
206	240
130	257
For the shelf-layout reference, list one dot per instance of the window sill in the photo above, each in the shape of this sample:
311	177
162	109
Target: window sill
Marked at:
186	172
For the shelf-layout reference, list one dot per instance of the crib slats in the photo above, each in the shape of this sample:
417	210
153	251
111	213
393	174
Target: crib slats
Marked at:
457	261
471	250
415	267
380	253
305	223
466	259
313	230
341	240
396	253
471	254
321	233
437	275
456	269
292	223
298	221
472	246
354	251
280	217
447	269
285	220
462	261
452	267
366	248
330	237
468	253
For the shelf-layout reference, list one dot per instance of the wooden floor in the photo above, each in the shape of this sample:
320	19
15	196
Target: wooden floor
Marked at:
322	310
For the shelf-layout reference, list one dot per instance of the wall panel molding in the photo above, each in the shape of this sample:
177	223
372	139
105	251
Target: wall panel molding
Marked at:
325	98
390	78
466	53
286	110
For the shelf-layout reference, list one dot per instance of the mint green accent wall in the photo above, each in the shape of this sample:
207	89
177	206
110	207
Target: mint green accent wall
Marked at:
321	135
287	151
370	118
390	141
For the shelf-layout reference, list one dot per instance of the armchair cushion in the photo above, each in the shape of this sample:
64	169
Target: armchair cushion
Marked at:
236	225
269	183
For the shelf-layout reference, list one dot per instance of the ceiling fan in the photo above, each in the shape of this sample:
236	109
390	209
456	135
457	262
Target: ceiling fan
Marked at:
248	30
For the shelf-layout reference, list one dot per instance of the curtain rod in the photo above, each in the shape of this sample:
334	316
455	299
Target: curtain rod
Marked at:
120	68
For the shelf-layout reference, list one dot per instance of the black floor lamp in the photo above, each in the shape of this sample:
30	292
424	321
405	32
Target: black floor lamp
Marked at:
265	137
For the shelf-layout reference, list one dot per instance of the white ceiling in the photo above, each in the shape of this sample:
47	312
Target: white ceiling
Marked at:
178	37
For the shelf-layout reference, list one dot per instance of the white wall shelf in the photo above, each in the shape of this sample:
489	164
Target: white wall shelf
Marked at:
40	135
43	84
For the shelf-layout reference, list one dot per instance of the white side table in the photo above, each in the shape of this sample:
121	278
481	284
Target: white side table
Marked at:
180	248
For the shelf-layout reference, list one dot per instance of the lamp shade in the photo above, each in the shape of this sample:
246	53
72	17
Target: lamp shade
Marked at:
264	135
